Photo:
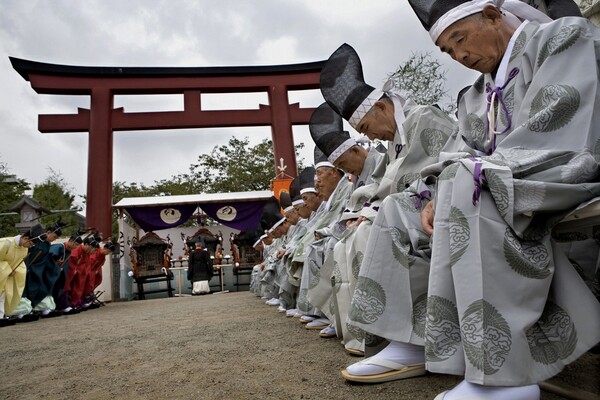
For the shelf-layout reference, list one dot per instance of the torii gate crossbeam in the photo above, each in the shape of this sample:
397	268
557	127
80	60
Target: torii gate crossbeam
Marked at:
102	119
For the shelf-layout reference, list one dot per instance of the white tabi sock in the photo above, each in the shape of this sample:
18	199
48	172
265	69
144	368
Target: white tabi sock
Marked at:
398	352
467	390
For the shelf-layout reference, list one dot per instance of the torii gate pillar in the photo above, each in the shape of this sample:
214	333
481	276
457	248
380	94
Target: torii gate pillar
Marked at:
102	119
100	160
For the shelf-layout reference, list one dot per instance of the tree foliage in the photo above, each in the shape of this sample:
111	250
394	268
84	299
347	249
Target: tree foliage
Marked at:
56	194
11	190
422	79
235	167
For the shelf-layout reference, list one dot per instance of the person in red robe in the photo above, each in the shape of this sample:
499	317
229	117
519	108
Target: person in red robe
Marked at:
94	277
79	265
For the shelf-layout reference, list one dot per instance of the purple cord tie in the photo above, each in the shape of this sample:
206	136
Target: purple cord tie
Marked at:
479	179
399	148
498	91
360	184
419	197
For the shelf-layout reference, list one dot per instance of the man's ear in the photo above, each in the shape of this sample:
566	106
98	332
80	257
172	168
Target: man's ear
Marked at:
381	105
491	13
357	150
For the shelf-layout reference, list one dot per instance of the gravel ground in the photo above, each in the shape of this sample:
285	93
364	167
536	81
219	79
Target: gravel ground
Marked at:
220	346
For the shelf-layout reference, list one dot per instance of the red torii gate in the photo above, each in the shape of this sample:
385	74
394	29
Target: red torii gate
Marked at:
103	83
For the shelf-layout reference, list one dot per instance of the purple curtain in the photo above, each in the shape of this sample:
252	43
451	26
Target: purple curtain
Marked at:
156	218
241	215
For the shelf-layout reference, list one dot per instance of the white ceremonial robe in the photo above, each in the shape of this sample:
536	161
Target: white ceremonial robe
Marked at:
505	305
327	228
395	236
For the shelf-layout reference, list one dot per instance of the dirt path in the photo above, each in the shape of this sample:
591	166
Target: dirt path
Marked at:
222	346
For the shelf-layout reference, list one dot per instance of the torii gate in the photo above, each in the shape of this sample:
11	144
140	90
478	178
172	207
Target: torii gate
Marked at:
103	83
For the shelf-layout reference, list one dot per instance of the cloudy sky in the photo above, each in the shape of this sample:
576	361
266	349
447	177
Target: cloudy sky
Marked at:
187	33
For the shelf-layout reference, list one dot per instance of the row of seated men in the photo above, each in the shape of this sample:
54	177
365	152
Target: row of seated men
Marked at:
439	249
41	279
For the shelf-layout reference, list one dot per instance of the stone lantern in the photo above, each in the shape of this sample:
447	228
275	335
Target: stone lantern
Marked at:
30	211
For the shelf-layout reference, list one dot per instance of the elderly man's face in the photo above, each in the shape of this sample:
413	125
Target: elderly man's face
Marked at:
303	210
292	216
353	160
379	123
276	233
326	179
282	229
311	201
479	41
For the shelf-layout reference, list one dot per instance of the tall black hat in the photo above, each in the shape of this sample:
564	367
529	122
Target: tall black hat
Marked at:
295	191
38	233
285	200
321	159
76	237
57	227
562	8
307	180
110	246
271	216
429	12
343	85
92	240
326	129
255	237
437	15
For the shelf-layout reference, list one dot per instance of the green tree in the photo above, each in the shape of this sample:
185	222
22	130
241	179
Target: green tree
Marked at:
11	190
423	80
56	194
235	167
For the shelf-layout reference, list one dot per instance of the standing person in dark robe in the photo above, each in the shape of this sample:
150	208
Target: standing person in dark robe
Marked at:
200	269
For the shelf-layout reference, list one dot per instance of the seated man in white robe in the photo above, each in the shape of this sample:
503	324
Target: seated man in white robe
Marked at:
268	276
259	246
417	135
333	190
297	215
309	207
500	306
279	228
346	154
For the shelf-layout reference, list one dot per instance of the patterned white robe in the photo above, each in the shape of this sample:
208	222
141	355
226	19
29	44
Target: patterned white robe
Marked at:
379	308
505	305
313	256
